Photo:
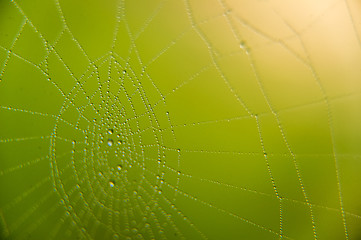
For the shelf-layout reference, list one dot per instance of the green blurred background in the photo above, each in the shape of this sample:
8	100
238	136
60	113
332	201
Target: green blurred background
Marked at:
180	119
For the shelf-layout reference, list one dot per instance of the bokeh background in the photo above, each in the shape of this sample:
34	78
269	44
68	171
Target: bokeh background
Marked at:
180	119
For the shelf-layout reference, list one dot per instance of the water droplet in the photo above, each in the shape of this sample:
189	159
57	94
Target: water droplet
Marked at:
110	131
179	173
124	71
111	183
120	142
119	167
158	177
115	236
242	45
110	142
100	174
134	230
265	154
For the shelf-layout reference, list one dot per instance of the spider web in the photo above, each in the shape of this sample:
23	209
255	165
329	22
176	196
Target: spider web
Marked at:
180	119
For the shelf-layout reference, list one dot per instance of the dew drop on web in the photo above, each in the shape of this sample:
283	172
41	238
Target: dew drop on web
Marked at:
111	183
110	142
242	45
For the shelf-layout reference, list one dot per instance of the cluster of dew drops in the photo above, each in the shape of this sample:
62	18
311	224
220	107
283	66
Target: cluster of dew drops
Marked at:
110	142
